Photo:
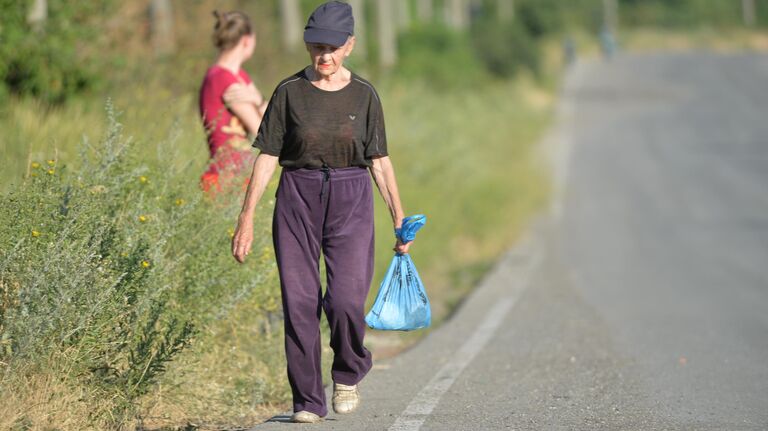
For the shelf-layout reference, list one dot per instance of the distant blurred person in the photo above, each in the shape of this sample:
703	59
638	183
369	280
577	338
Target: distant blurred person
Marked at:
230	104
607	43
569	50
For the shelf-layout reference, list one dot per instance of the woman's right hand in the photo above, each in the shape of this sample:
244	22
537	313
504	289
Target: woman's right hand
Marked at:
242	93
243	238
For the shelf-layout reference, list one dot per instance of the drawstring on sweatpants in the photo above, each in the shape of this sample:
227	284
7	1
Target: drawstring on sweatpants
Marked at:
326	177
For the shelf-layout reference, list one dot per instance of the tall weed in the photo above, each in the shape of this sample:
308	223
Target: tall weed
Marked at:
118	261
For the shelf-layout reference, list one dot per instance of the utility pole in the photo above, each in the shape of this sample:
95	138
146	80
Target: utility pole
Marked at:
358	11
161	27
608	32
38	14
403	14
386	30
610	15
456	14
424	10
748	12
505	9
290	17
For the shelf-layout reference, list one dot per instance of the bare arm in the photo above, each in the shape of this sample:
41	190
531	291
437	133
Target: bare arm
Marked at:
259	102
245	93
384	175
248	115
263	168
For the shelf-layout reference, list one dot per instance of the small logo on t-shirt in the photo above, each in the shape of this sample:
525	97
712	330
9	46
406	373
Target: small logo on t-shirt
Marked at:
352	116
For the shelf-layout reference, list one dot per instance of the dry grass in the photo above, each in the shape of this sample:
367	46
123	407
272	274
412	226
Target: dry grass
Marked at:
718	40
51	398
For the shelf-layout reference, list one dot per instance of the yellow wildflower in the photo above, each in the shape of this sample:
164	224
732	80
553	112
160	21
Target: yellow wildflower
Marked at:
179	202
35	165
143	179
143	218
231	232
50	171
35	233
145	264
51	162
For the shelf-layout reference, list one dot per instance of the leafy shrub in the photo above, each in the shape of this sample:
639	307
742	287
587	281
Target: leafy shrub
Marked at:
504	48
438	56
684	13
56	60
120	262
541	17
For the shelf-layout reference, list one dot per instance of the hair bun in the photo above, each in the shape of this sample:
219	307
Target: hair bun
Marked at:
220	17
229	28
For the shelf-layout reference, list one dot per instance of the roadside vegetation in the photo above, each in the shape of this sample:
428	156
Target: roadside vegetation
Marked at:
120	304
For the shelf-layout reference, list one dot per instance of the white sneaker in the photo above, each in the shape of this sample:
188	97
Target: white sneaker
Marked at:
305	417
345	398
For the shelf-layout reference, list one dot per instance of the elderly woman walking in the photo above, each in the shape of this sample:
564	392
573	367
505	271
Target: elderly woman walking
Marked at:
324	125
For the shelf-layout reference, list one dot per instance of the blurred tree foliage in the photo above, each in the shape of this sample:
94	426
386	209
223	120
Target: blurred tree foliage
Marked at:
55	59
439	55
685	13
67	54
498	47
505	48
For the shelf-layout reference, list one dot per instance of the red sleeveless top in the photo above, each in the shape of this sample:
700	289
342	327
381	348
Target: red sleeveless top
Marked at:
228	145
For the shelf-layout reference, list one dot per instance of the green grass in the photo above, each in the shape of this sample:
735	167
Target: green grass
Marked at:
466	161
464	158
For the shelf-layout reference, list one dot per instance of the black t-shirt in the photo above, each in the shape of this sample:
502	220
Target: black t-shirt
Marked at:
308	127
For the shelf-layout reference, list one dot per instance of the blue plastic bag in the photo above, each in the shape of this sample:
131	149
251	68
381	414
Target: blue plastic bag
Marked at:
411	224
402	303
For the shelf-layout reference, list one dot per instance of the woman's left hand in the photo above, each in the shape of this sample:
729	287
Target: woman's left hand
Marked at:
401	248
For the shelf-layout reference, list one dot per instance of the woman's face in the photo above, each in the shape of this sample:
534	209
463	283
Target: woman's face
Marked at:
248	42
327	59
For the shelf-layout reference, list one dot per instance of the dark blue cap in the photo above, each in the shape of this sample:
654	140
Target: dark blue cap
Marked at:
331	23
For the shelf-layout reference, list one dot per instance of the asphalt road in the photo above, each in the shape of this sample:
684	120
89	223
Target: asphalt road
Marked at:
640	302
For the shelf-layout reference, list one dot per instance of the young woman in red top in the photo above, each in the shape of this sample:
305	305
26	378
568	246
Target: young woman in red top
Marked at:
231	106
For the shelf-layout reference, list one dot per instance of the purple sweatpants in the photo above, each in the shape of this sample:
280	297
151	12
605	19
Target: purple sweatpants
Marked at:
329	210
